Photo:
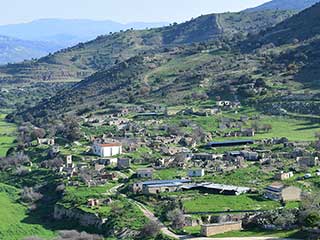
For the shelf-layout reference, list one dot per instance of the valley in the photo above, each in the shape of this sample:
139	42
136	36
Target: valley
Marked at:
207	129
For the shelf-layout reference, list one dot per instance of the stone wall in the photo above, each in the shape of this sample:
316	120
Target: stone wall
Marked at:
213	229
85	219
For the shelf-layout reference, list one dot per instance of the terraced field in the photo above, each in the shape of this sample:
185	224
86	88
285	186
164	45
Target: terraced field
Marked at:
7	135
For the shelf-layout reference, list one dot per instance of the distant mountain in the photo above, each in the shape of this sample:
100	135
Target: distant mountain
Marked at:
84	59
16	50
69	32
297	5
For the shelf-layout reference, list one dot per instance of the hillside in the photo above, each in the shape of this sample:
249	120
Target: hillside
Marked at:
300	27
297	5
84	59
268	74
16	50
296	41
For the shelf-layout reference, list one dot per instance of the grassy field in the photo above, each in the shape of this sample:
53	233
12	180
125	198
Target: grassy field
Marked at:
251	176
263	233
294	130
216	203
13	225
7	137
282	126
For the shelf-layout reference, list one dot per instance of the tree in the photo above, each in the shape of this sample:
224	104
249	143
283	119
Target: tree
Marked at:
71	130
177	218
29	195
309	214
150	230
267	127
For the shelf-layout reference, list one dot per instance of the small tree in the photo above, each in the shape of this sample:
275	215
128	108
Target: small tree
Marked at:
177	218
150	230
317	135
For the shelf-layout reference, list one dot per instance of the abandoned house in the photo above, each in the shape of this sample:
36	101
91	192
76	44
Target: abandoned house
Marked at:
279	192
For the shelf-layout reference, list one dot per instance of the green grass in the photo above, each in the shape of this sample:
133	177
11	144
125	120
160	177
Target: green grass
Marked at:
170	173
195	231
13	215
192	230
78	197
216	203
294	130
263	233
7	131
252	176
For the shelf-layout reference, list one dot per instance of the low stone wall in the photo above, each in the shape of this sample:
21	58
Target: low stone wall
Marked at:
85	219
213	229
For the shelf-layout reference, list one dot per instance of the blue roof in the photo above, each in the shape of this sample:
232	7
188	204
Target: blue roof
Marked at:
165	185
231	142
162	182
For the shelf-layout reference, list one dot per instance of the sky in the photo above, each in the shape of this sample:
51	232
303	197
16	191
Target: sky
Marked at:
18	11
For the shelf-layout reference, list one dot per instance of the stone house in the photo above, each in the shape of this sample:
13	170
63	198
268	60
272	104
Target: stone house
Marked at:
46	141
247	132
145	173
93	202
279	192
250	155
283	176
99	167
308	161
123	163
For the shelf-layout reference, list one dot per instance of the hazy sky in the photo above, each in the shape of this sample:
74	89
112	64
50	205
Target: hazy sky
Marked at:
16	11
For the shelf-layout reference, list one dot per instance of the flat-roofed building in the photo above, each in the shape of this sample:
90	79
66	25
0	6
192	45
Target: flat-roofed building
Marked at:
158	186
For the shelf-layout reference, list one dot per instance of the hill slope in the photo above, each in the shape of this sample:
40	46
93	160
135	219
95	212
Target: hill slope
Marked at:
16	50
84	59
300	27
297	5
297	40
273	75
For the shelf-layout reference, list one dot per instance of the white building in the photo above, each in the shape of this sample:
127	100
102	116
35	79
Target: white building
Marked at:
107	149
196	172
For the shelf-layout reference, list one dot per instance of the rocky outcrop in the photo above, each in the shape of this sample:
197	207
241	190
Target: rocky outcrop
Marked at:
84	218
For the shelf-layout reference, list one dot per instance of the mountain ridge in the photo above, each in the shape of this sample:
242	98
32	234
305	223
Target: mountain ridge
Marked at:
84	59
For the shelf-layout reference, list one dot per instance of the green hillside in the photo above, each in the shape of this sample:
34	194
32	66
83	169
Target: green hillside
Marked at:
13	215
272	77
80	61
300	27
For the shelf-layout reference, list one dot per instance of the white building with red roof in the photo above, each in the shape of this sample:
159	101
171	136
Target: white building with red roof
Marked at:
107	149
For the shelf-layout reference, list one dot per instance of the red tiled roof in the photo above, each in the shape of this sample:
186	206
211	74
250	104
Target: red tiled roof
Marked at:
110	145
